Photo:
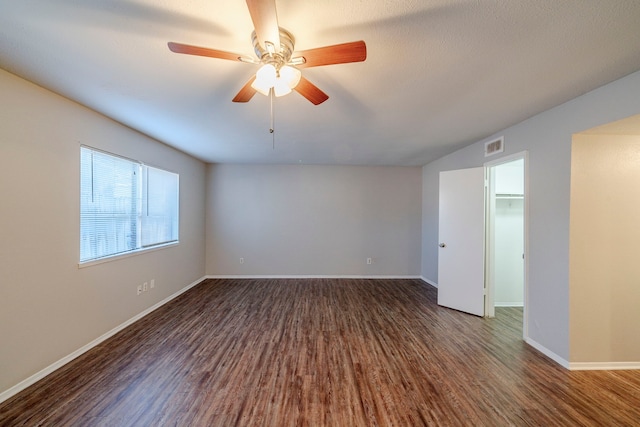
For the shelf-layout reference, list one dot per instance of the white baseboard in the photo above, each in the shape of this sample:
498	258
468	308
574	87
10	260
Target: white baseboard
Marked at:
550	354
424	279
583	366
304	276
60	363
509	304
603	366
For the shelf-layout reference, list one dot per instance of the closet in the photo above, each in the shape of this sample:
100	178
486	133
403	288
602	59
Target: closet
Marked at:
509	234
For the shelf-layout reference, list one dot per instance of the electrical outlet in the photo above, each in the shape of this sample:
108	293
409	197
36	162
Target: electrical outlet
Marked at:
139	289
368	261
152	284
241	260
145	286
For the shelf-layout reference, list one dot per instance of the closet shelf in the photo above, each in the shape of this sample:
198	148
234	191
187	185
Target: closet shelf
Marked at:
509	196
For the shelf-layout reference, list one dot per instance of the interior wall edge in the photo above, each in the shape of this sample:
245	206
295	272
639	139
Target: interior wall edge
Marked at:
550	354
429	282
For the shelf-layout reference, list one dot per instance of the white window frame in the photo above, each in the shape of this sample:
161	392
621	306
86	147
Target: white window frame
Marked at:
141	211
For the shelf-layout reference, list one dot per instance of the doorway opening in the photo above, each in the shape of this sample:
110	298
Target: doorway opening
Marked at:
505	238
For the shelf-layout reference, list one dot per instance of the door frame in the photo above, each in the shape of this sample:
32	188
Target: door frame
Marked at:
489	279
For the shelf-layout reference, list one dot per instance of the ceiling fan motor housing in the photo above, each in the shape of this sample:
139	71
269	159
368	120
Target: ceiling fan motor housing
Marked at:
278	57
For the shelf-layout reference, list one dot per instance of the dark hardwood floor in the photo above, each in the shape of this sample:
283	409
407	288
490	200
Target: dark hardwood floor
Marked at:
319	352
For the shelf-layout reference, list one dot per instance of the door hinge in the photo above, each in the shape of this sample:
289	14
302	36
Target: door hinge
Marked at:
484	291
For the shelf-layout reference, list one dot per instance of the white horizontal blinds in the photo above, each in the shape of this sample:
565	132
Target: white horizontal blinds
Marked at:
160	208
124	205
109	204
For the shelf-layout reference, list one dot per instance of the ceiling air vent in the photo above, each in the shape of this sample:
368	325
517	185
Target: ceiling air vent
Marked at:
494	147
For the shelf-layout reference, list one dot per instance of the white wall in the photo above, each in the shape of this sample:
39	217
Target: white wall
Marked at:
313	220
605	249
509	247
509	177
547	137
50	308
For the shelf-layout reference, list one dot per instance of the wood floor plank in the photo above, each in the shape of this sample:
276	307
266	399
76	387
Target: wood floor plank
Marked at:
321	352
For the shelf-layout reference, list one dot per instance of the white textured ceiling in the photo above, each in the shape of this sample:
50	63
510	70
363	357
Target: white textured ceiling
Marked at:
440	74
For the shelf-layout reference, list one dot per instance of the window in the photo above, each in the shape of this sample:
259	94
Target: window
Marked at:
125	205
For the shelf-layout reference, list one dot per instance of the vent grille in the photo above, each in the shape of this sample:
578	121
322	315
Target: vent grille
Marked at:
494	147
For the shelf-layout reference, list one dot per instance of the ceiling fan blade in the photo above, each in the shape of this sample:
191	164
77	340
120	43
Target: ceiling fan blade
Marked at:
204	51
246	93
328	55
265	22
311	91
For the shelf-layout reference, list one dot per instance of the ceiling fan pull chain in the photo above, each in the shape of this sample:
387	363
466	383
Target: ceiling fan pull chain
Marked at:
271	129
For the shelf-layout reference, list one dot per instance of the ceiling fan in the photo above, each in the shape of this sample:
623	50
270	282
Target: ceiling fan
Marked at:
280	64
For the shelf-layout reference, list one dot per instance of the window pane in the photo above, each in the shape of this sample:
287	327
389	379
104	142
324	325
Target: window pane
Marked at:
160	213
108	204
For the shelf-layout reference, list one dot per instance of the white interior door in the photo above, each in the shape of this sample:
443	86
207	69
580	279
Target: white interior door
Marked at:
461	237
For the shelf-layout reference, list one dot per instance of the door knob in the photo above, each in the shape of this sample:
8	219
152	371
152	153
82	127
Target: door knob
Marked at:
442	245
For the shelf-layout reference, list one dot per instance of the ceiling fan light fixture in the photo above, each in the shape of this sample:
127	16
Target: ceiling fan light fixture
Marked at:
290	75
265	79
281	87
282	81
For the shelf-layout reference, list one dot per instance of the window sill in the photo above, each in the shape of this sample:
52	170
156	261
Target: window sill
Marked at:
126	255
